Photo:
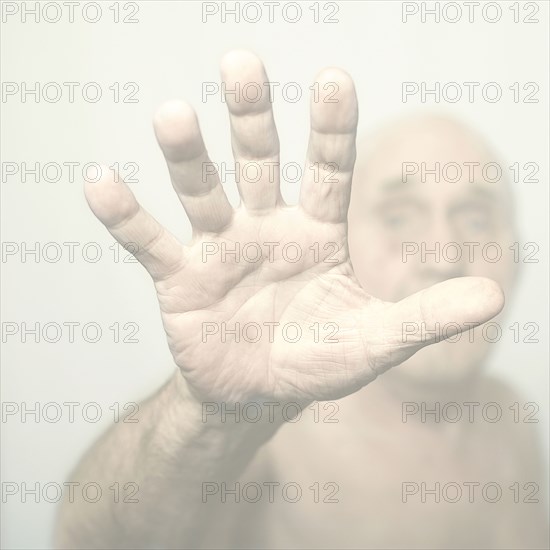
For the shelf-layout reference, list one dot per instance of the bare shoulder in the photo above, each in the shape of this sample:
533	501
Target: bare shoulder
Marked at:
490	387
516	416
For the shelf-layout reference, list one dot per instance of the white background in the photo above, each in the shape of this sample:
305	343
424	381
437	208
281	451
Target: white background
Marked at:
170	53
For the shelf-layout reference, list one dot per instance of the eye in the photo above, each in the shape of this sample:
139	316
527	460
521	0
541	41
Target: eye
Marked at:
475	219
395	220
479	223
399	218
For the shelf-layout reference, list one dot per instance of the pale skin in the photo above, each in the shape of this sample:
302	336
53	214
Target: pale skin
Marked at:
171	451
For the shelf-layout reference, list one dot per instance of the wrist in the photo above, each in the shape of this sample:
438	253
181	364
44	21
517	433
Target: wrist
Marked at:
257	419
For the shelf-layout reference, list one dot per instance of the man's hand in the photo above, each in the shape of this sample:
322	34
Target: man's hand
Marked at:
306	329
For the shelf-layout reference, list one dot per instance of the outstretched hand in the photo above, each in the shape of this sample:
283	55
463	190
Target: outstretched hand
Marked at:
264	301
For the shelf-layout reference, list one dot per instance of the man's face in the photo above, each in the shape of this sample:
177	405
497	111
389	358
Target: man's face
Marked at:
397	218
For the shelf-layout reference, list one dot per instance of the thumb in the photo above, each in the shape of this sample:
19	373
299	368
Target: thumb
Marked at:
435	314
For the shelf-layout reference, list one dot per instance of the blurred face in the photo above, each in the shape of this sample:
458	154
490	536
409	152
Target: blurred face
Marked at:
400	214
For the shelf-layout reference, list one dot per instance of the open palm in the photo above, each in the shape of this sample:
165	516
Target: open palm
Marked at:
264	301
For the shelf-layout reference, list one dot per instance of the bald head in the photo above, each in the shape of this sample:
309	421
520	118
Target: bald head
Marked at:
430	202
430	149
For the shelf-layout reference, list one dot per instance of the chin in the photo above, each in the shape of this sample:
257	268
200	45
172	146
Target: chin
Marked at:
441	365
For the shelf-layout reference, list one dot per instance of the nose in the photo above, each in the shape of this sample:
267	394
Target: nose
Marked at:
442	256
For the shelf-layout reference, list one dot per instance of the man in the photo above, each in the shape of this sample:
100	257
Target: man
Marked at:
278	331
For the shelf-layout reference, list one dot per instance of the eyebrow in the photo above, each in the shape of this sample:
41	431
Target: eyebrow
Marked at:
482	191
396	183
